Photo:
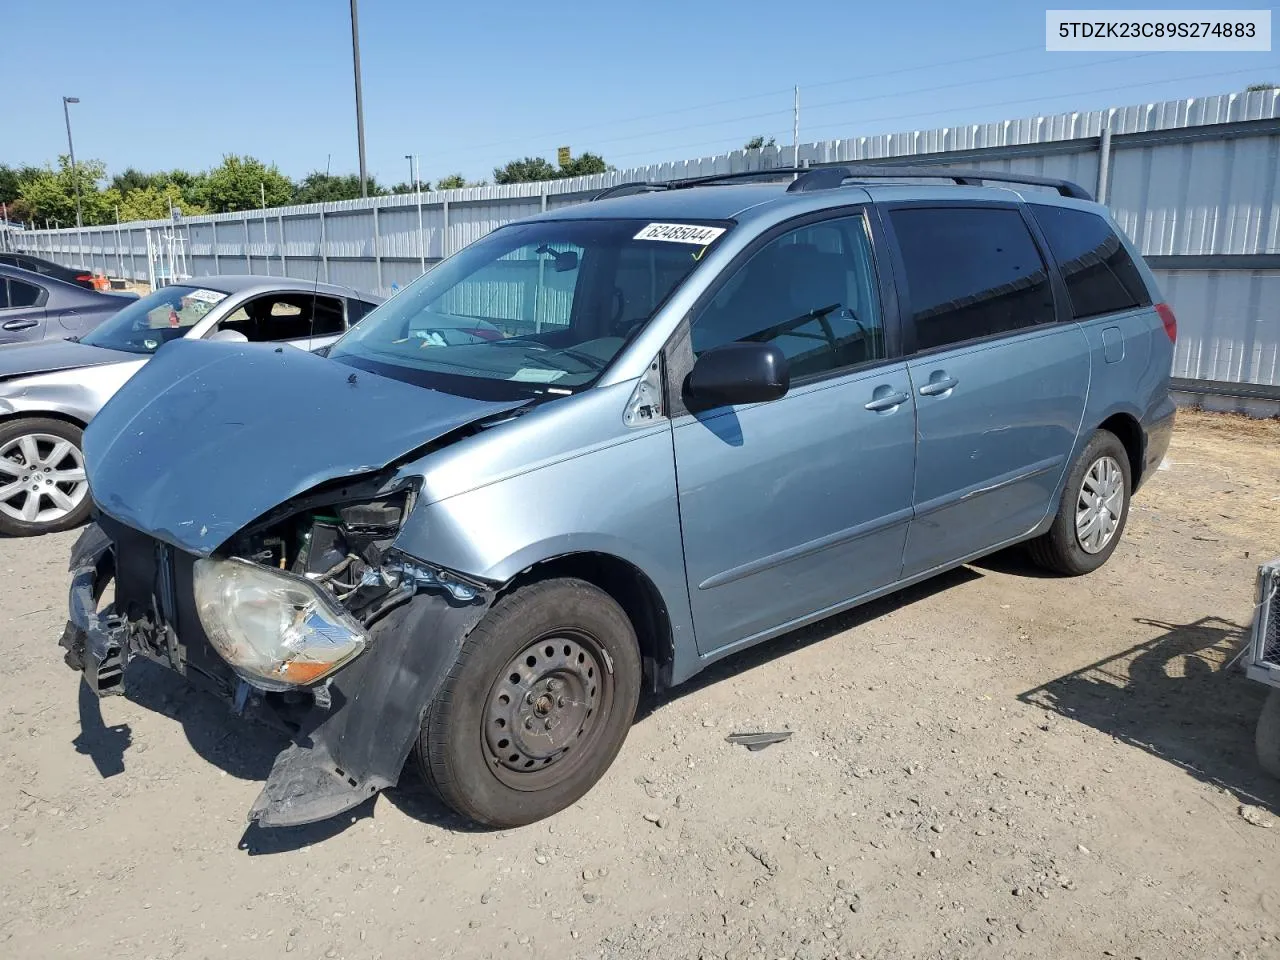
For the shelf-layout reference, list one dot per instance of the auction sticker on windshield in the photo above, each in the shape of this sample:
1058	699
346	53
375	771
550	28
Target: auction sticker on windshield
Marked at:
205	296
680	233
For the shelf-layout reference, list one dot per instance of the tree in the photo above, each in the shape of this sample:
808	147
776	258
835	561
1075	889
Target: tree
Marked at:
319	187
536	168
238	183
11	181
1260	87
134	179
51	194
156	203
758	142
581	166
525	171
456	181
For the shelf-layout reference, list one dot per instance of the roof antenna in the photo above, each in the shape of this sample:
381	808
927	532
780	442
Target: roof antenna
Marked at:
315	290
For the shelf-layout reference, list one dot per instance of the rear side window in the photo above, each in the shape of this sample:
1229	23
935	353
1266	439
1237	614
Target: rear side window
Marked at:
23	294
1101	276
971	272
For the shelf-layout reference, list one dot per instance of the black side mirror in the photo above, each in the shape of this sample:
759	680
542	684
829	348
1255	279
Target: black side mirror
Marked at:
737	373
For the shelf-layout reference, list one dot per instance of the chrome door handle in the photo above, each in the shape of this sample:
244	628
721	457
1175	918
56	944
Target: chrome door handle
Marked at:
935	387
25	324
881	404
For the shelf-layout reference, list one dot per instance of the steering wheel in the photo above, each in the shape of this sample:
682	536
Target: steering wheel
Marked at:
616	325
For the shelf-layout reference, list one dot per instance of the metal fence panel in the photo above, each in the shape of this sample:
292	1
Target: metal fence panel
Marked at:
1228	324
1188	178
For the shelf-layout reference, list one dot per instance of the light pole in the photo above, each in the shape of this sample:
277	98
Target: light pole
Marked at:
415	177
75	178
355	57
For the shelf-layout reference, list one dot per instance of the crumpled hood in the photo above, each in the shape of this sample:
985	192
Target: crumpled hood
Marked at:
45	356
209	436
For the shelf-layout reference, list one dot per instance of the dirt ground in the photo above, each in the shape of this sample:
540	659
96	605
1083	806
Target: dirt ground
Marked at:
997	764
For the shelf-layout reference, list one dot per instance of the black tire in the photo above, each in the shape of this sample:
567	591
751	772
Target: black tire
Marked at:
1267	735
502	763
12	430
1060	550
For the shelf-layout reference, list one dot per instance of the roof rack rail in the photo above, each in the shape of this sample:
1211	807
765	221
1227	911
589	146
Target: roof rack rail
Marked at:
627	189
827	178
808	179
649	186
744	175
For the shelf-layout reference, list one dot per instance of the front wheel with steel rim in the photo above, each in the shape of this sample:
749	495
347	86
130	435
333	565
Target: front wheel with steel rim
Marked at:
536	706
1092	512
43	487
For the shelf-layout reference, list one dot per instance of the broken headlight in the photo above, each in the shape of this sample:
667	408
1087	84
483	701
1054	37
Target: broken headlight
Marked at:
277	630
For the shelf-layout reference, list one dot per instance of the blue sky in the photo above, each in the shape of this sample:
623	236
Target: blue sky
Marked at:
177	84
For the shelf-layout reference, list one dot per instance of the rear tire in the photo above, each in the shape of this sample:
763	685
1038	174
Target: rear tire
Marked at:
42	481
1267	734
536	706
1092	511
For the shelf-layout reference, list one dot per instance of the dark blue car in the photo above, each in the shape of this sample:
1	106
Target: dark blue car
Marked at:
36	307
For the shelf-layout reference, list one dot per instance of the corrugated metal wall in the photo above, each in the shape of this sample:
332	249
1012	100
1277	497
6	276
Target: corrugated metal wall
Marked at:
1196	183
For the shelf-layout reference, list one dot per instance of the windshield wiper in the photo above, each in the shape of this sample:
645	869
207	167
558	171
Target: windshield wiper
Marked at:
591	361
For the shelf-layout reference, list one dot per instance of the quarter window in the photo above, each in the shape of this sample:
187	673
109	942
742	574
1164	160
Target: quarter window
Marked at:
1101	277
971	272
23	294
810	292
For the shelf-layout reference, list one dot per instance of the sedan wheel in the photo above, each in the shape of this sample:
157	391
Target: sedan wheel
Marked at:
43	486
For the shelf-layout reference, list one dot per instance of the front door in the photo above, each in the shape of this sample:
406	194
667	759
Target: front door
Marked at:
790	508
1000	385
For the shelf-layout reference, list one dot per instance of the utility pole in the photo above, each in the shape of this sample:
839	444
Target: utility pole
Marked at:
795	131
75	178
355	57
415	176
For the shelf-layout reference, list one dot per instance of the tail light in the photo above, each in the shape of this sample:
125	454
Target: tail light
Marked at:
484	333
83	278
1169	320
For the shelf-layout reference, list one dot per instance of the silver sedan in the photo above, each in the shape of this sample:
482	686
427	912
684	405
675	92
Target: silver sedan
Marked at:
50	390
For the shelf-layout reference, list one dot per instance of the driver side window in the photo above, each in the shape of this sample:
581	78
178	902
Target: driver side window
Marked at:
811	292
283	316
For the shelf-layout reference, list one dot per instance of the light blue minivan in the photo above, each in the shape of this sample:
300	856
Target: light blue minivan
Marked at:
603	447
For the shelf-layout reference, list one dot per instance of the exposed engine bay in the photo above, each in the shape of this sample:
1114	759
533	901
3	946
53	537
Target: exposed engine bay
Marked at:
347	549
317	626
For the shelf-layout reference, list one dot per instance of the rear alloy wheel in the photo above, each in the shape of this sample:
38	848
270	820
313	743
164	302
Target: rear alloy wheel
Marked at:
43	487
536	706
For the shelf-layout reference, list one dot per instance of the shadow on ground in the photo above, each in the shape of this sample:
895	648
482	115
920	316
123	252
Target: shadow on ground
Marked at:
1175	697
246	750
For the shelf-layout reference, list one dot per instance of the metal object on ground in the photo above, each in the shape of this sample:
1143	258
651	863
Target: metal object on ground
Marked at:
758	741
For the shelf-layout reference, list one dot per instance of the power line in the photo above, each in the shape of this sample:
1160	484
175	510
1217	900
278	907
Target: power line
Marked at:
878	96
755	96
976	106
974	83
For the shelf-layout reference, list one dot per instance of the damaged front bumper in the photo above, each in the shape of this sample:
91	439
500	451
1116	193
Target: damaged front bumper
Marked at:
350	735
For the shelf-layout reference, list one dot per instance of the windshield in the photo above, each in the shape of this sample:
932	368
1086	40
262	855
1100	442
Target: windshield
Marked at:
534	308
147	324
